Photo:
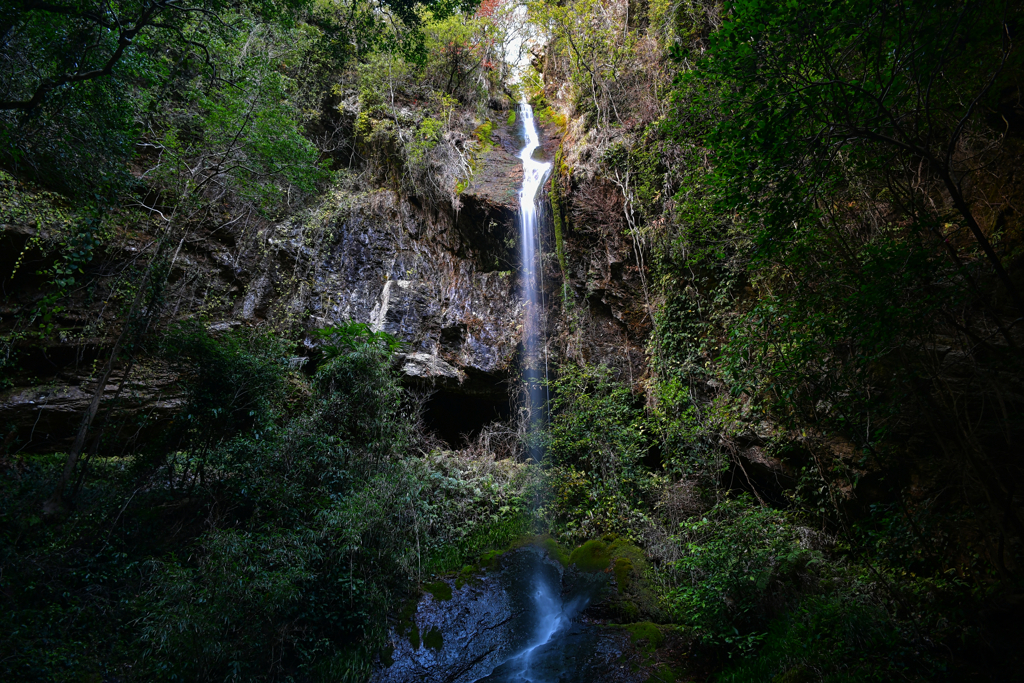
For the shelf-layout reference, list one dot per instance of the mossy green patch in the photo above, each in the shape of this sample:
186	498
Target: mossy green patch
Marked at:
387	656
414	637
554	550
645	631
466	575
406	615
489	560
592	556
439	589
558	218
433	639
511	117
547	115
634	599
665	674
483	133
626	610
623	569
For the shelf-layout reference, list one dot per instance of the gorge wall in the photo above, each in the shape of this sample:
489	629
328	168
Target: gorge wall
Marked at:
441	277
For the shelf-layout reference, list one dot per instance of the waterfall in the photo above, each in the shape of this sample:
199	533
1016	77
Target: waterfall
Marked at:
546	597
534	366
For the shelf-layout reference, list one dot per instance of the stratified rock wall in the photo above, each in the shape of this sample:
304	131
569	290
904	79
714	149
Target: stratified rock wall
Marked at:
439	281
442	279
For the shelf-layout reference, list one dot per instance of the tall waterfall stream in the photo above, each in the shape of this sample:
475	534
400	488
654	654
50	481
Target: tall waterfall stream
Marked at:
518	622
534	173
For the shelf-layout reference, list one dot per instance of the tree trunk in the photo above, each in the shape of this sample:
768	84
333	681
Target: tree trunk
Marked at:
56	503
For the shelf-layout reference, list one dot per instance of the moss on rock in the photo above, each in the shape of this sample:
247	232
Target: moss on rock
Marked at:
433	639
648	632
439	589
592	556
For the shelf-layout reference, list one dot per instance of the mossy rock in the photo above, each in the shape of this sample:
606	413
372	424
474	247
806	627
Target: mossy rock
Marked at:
407	616
490	559
633	599
623	570
468	574
592	556
612	553
626	611
433	639
665	674
439	589
554	549
647	634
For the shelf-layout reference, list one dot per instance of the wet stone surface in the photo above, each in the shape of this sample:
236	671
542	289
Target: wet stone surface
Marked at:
521	622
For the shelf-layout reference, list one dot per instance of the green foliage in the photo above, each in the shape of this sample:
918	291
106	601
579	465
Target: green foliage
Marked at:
77	75
352	336
834	639
246	139
835	299
453	65
737	561
595	424
832	225
233	383
202	621
428	135
641	166
359	403
559	222
266	537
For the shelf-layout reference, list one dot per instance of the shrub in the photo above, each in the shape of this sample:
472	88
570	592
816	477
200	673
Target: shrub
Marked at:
596	424
233	384
737	570
835	638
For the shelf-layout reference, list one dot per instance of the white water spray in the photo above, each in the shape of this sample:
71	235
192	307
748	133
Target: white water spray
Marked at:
520	669
534	173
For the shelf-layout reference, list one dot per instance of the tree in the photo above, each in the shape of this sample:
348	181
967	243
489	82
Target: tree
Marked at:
897	88
863	157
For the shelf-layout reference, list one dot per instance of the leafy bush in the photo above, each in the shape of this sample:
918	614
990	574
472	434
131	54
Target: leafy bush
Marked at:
835	639
596	425
358	403
233	384
738	565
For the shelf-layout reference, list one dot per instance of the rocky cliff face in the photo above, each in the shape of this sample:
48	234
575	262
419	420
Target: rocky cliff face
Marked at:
443	280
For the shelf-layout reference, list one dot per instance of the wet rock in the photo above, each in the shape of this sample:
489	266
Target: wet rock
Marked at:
484	623
522	622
